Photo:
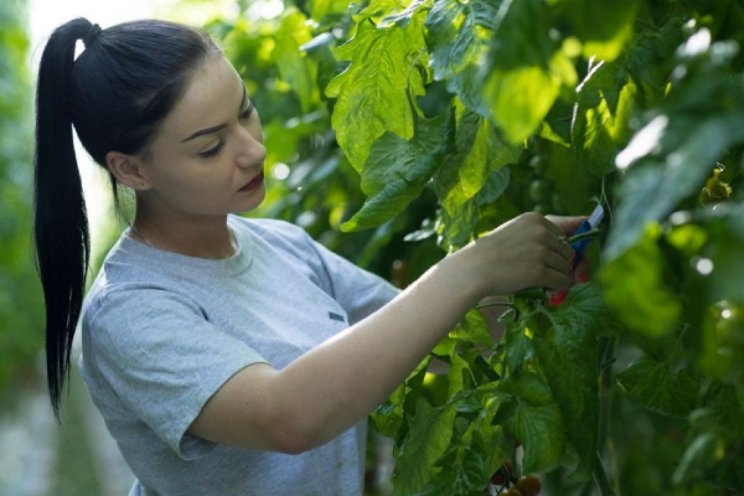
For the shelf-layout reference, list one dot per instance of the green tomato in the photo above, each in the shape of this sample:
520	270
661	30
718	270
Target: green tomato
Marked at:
538	164
541	208
555	203
540	191
436	388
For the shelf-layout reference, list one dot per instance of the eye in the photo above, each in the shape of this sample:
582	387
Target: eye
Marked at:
248	111
212	151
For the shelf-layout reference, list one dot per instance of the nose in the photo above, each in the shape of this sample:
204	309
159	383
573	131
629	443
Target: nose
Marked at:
251	148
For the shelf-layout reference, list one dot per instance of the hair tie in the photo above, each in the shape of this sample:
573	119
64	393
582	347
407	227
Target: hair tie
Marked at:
92	34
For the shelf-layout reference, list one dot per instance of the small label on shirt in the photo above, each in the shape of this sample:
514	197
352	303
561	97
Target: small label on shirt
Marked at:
336	316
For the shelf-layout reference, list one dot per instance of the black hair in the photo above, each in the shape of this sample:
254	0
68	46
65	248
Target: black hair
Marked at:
115	94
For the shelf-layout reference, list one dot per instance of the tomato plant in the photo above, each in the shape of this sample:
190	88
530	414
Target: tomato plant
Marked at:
451	117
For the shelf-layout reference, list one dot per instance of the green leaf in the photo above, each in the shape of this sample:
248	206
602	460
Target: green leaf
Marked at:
634	287
651	191
526	69
299	71
459	229
389	416
473	328
602	27
518	347
698	455
567	352
479	152
398	170
659	388
374	93
322	8
458	39
725	251
536	422
429	437
600	125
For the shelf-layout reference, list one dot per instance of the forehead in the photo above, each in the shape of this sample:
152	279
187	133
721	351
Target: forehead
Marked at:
209	99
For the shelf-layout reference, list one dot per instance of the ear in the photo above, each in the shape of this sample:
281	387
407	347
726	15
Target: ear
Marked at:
128	170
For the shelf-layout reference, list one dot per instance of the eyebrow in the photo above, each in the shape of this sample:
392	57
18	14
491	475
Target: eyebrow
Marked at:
219	127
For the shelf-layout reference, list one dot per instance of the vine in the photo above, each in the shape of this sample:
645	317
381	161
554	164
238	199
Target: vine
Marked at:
452	117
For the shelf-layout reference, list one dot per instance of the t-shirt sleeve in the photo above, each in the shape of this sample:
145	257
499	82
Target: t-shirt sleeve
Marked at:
358	291
164	360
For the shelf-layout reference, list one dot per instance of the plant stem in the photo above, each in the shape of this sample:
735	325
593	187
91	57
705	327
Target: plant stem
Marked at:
600	477
606	347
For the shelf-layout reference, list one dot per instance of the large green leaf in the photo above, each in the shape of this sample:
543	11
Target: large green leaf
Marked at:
479	151
375	91
535	420
429	437
651	191
526	70
600	124
634	286
660	388
668	160
398	170
603	27
458	39
566	348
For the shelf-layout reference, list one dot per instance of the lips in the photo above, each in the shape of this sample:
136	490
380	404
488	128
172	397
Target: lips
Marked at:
256	181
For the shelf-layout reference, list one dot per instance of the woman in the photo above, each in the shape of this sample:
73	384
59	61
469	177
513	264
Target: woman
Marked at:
227	356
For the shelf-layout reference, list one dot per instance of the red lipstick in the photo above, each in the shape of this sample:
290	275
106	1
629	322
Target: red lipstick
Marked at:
255	182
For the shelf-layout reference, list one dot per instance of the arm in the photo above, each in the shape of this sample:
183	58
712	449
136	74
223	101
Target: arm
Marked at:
332	387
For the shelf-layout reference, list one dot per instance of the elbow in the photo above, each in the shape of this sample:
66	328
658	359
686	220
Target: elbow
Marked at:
293	438
302	430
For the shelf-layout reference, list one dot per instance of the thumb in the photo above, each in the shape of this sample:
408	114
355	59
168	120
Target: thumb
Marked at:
566	224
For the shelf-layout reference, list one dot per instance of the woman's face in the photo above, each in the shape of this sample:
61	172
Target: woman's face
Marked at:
207	156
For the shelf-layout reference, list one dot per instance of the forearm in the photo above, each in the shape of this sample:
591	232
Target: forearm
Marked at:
332	387
340	382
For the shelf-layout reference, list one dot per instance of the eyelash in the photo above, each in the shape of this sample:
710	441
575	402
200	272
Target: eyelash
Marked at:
246	114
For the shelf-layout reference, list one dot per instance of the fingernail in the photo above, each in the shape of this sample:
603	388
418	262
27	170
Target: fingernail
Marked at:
583	277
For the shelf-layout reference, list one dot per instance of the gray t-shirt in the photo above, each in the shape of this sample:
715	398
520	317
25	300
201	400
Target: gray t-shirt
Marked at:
163	331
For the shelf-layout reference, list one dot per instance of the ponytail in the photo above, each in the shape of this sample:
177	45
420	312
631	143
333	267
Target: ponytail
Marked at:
115	95
60	222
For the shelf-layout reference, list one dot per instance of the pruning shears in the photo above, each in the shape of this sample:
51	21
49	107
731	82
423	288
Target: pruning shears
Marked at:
579	247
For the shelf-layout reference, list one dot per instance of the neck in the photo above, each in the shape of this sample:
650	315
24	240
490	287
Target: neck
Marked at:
193	235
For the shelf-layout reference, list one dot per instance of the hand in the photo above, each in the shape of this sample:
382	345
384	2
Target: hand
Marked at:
569	225
526	252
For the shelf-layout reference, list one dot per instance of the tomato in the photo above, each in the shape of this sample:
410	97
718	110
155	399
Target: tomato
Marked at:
503	475
436	388
529	485
512	491
538	164
556	204
541	209
399	273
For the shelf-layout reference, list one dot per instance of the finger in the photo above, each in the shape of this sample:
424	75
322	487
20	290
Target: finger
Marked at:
558	263
561	247
566	225
553	227
581	271
554	279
